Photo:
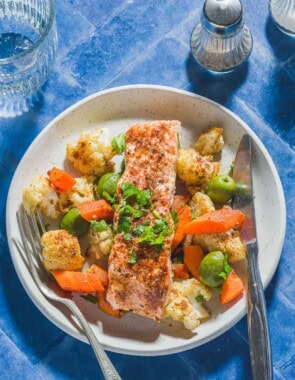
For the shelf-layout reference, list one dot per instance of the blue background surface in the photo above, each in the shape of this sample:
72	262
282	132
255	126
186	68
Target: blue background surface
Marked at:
103	44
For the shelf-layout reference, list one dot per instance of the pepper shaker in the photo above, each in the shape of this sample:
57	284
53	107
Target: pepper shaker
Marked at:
221	41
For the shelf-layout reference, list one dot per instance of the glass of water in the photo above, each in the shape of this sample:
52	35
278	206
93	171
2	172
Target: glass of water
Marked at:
28	43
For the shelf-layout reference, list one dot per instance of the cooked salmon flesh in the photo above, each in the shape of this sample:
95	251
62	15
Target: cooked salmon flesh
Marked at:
139	264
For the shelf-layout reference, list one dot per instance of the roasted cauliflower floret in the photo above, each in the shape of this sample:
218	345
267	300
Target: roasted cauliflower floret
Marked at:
195	170
201	204
229	242
183	306
210	142
100	241
61	251
92	153
41	194
81	192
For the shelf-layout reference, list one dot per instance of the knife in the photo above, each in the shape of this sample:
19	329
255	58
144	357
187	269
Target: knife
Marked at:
260	349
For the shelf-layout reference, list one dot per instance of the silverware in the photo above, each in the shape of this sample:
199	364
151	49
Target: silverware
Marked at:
30	235
260	350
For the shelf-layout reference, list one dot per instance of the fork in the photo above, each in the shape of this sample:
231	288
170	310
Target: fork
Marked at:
30	235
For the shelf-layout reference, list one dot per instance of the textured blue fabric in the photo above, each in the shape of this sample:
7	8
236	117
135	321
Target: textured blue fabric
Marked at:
106	43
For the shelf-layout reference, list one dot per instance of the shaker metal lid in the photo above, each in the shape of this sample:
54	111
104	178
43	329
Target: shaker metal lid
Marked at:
222	16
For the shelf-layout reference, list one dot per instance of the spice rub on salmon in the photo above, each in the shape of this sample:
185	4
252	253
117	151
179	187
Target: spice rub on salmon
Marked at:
139	264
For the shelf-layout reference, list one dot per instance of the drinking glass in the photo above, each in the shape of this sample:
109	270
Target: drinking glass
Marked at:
28	43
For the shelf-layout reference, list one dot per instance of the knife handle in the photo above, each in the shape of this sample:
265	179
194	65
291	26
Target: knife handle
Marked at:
260	350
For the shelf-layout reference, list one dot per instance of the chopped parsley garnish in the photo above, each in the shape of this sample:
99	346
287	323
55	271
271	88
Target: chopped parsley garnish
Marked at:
114	206
109	198
223	275
166	229
127	237
126	210
137	214
156	214
138	230
122	167
227	268
119	143
200	298
147	236
143	197
129	190
158	227
156	235
131	211
99	226
159	241
174	216
90	298
133	207
133	257
124	224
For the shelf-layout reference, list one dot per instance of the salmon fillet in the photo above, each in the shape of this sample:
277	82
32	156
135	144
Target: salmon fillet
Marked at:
150	163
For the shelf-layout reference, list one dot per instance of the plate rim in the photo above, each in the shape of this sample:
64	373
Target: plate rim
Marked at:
60	116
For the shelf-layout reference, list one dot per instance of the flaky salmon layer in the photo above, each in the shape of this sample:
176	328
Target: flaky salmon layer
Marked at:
150	163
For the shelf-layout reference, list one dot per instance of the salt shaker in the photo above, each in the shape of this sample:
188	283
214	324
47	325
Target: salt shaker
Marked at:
283	14
221	41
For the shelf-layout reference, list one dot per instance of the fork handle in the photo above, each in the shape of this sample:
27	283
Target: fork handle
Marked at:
109	371
260	349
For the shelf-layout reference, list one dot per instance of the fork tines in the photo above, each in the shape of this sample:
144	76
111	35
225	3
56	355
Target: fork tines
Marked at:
31	235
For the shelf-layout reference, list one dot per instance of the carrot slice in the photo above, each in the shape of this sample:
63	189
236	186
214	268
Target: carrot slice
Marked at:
179	201
78	281
61	180
231	288
193	255
105	306
180	271
101	273
215	221
96	210
184	217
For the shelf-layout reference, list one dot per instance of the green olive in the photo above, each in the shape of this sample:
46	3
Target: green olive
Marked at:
221	188
107	185
210	268
73	222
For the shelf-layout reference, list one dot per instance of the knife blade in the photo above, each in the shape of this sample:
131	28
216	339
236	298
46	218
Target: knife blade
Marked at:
259	342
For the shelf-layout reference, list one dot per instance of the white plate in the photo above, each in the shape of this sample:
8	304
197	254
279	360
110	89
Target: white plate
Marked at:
117	109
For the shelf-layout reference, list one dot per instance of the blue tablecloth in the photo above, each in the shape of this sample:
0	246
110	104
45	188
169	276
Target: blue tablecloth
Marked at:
106	43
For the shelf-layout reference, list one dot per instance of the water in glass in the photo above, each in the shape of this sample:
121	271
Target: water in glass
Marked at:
28	42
